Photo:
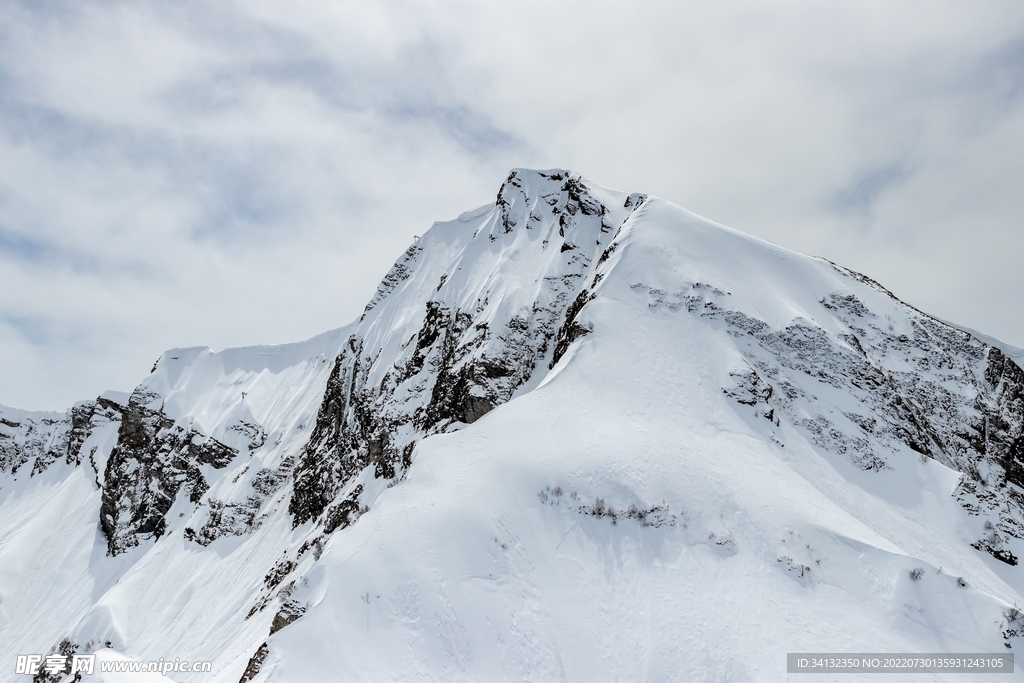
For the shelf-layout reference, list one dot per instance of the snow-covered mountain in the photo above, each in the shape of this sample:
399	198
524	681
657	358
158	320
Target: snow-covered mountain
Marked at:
576	435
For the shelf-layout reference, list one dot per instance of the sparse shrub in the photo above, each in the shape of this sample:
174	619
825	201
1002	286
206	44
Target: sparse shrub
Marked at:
601	509
916	574
1014	619
550	494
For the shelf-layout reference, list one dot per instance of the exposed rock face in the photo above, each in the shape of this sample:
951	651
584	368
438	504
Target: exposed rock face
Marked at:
472	352
252	669
47	438
1002	436
43	440
153	460
399	273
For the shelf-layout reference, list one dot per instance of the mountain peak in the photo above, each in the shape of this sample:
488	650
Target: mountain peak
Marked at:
565	426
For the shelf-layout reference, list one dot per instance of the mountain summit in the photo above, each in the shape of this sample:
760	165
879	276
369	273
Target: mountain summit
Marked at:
576	435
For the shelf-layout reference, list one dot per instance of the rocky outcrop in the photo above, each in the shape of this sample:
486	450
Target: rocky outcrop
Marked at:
469	354
1001	436
399	273
153	461
47	438
42	440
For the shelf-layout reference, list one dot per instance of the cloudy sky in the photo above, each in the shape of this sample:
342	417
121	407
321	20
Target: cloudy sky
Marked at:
177	173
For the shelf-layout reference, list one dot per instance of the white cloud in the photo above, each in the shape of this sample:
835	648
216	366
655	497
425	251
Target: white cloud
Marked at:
245	172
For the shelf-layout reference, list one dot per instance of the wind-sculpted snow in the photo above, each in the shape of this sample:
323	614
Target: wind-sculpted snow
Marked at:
576	434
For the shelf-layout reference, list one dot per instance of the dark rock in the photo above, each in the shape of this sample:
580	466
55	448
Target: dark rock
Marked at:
252	669
152	461
459	366
570	330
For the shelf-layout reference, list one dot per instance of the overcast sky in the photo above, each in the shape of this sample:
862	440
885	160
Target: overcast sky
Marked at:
228	173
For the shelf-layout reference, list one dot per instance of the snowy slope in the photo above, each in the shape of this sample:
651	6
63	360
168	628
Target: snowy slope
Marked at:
577	435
